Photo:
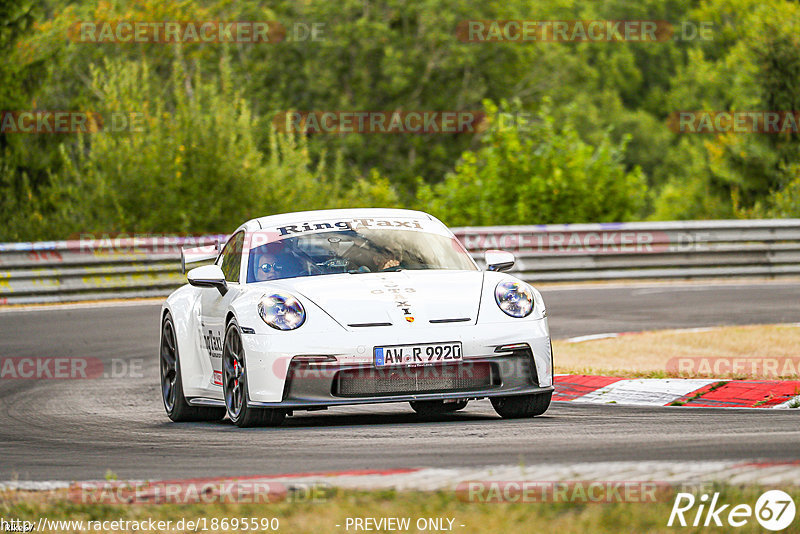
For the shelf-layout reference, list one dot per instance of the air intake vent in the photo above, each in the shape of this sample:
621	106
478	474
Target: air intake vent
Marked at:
368	382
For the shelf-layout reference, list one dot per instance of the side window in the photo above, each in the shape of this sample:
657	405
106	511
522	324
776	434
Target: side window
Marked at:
232	257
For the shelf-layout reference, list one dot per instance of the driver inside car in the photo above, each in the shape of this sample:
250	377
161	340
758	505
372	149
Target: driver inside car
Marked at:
387	259
272	265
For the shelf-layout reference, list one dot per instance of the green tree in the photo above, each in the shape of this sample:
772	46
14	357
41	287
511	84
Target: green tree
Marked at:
754	65
192	164
541	172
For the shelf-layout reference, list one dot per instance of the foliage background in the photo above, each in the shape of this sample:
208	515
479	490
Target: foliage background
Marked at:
208	158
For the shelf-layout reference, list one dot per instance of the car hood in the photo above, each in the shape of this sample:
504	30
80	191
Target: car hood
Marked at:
397	298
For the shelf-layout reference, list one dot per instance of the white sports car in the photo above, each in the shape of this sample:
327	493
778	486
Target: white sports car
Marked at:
302	311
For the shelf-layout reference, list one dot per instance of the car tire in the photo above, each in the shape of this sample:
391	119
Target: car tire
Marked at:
175	403
234	385
436	407
520	406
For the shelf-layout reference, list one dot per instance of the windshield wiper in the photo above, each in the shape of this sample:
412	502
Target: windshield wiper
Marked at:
359	271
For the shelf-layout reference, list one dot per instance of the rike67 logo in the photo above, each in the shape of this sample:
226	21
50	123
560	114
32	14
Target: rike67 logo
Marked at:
774	510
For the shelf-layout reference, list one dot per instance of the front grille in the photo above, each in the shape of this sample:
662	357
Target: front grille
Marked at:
424	379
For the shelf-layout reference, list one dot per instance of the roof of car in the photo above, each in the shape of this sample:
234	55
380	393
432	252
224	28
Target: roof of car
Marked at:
352	213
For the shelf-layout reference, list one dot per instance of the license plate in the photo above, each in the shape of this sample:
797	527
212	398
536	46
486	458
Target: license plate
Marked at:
424	354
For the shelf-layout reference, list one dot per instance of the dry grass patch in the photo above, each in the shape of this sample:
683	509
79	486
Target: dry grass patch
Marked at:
755	351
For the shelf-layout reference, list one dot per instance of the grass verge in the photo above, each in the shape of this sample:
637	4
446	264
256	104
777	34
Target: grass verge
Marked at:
732	352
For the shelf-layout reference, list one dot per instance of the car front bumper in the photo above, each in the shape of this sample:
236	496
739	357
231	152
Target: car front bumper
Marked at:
309	385
279	374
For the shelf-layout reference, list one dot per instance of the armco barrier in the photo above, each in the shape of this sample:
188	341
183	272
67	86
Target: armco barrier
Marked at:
93	269
660	250
63	271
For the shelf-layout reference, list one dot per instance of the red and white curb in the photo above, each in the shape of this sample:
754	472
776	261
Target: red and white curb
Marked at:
694	392
443	479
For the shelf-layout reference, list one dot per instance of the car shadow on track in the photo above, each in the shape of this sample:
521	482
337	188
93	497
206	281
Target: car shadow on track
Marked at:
375	416
331	420
374	419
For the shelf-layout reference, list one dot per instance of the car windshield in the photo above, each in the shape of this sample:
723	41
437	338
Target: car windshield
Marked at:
355	252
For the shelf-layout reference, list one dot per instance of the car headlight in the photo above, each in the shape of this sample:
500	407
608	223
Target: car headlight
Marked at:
514	298
281	311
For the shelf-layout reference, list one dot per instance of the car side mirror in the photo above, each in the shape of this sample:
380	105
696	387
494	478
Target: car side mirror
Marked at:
498	260
208	276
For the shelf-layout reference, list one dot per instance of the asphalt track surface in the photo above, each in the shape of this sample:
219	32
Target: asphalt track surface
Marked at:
80	429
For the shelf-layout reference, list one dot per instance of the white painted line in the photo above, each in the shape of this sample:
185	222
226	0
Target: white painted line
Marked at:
21	308
592	337
665	285
33	485
696	330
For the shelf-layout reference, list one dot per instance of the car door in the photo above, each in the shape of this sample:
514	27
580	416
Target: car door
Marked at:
213	306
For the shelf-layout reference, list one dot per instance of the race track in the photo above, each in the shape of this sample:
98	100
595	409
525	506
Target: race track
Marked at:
80	429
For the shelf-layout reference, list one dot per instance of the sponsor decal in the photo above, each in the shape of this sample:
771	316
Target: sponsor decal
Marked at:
212	341
399	296
353	224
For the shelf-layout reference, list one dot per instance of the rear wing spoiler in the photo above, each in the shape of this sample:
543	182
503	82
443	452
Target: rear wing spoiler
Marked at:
198	254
